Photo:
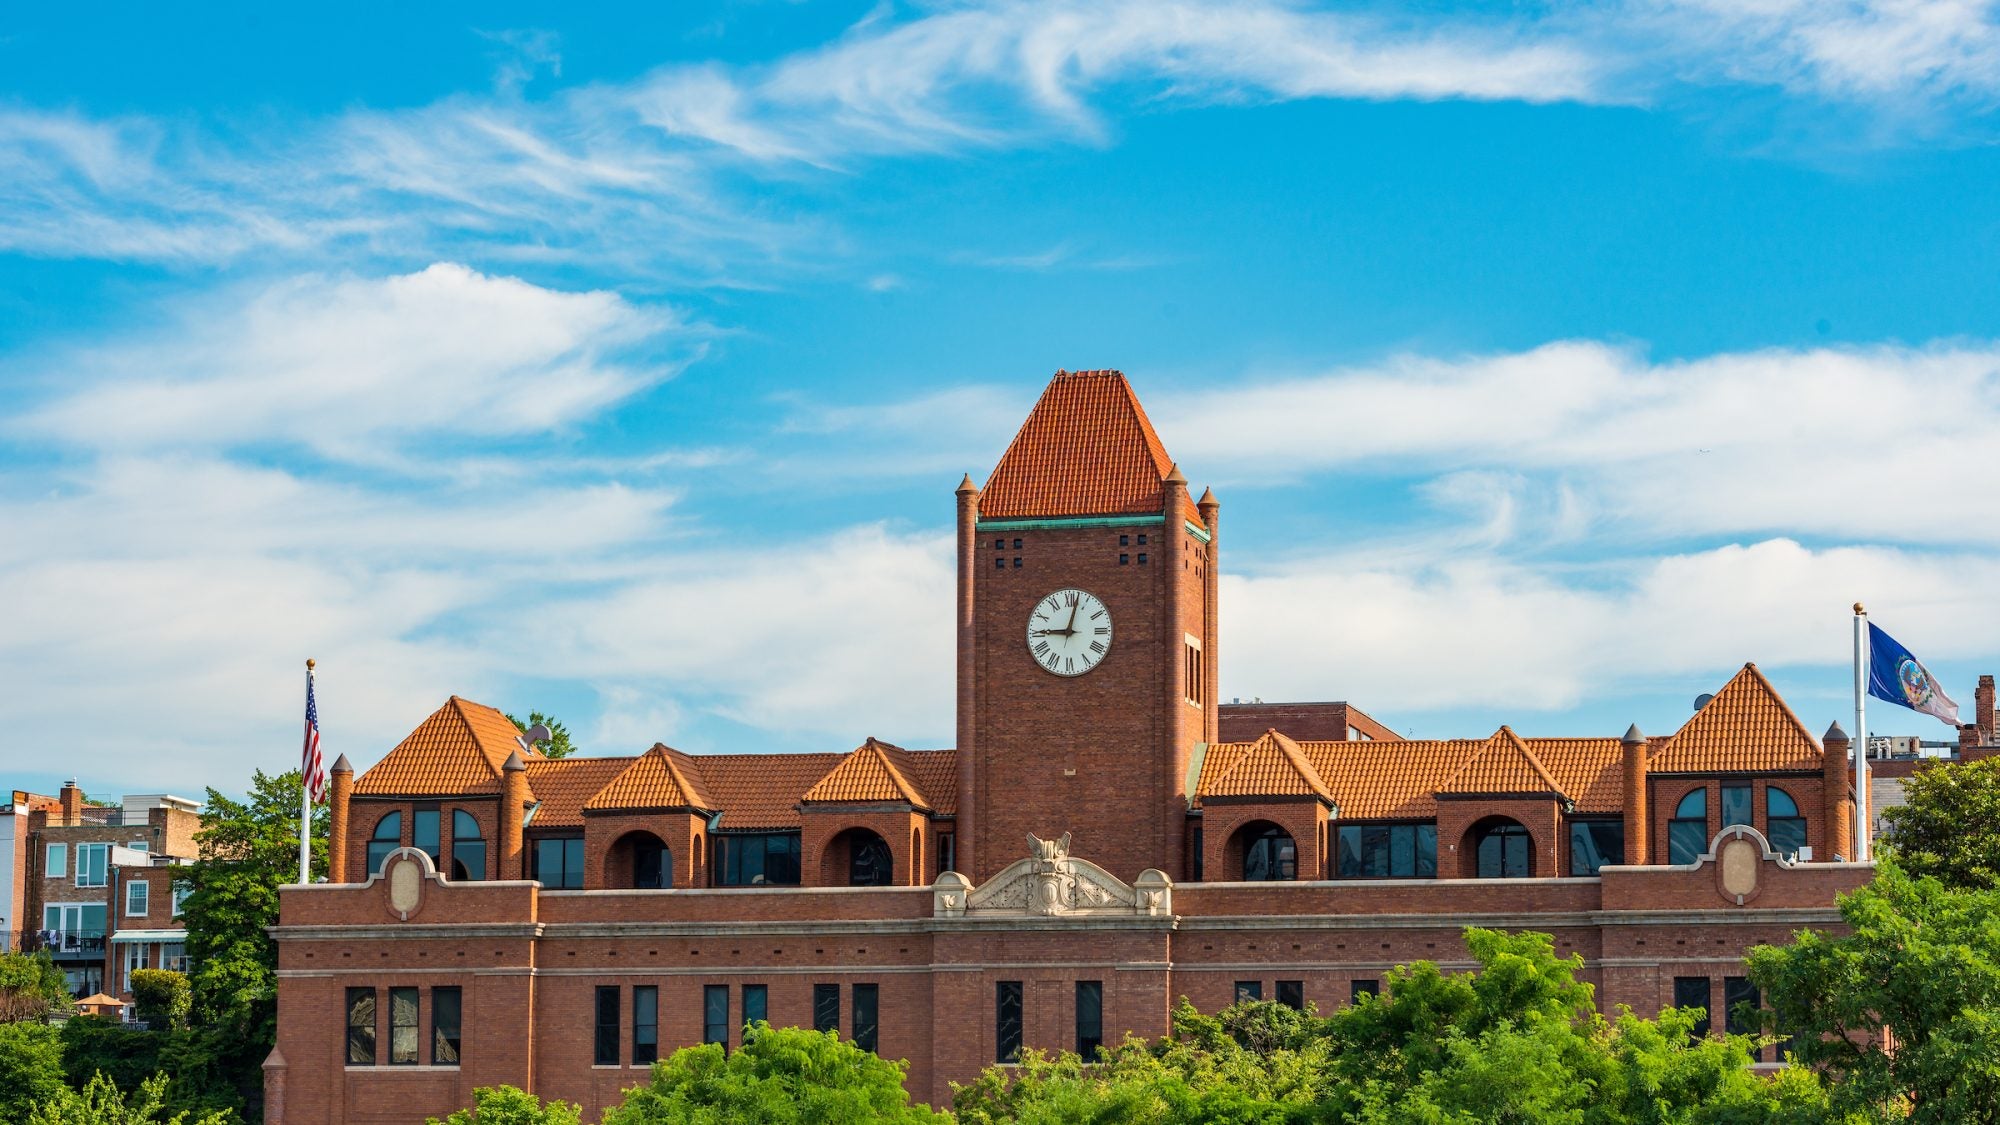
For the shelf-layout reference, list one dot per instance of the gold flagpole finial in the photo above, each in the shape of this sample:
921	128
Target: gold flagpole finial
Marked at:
310	661
1858	611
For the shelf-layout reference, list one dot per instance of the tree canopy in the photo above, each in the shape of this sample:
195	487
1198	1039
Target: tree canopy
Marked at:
31	987
780	1076
557	745
1949	825
506	1105
101	1102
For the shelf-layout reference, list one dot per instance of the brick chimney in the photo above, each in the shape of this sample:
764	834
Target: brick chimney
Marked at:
72	803
966	823
1982	710
342	777
1638	814
513	806
1839	813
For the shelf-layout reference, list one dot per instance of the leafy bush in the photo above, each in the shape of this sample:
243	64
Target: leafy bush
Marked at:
101	1102
162	997
31	987
31	1068
505	1105
780	1076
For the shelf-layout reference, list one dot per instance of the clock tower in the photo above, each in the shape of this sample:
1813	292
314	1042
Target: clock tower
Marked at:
1086	638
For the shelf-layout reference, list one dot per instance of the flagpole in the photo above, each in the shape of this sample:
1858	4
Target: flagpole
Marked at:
305	799
1860	734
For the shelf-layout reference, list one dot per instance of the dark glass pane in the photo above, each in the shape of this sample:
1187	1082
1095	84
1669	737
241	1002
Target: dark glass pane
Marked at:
651	869
572	868
868	862
1788	834
1694	806
866	1022
1779	803
361	1027
1359	988
1292	994
1693	993
1347	852
1198	860
1686	840
947	852
1007	1021
1595	843
1502	852
445	1018
402	1027
1375	851
1427	851
756	1004
826	1007
1089	1019
1735	805
645	1024
1739	1002
424	832
1270	856
1403	851
1249	990
468	860
715	1014
607	1026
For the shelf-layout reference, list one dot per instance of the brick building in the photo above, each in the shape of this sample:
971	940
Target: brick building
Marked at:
94	884
1104	838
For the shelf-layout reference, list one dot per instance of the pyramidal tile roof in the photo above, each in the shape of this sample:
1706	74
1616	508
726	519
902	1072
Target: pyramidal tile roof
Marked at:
1087	449
661	778
1503	765
459	749
1745	727
1272	766
873	771
1589	771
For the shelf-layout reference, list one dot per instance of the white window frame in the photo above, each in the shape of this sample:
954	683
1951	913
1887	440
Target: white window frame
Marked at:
84	874
143	892
181	892
56	863
135	958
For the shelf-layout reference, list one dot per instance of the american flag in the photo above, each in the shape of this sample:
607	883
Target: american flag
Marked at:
313	766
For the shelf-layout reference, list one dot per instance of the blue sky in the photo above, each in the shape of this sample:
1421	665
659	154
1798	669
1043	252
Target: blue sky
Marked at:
1551	360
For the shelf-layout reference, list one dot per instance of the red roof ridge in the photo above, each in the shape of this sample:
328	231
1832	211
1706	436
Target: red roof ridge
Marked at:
872	771
1086	449
458	748
1726	733
661	778
1271	765
1486	773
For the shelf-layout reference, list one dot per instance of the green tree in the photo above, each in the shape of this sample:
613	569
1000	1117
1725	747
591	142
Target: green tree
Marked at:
1920	959
1949	826
780	1076
505	1105
31	1068
248	849
101	1102
31	987
557	745
199	1081
162	997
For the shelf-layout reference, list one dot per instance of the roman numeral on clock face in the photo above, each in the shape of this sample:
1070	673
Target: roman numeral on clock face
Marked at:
1069	632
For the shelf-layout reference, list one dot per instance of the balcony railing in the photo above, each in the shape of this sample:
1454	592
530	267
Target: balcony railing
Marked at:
59	943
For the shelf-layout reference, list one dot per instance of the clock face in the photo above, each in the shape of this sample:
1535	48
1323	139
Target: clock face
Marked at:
1069	632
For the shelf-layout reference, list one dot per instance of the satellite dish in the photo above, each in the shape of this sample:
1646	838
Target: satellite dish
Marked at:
534	734
1701	701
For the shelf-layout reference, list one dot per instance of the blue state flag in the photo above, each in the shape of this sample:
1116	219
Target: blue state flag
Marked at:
1895	675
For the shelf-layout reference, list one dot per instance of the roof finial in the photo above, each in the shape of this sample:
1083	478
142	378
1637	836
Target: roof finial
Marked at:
1633	734
966	485
1174	475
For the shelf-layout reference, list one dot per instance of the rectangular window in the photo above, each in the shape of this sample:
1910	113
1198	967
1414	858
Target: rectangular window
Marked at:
135	959
173	955
1686	840
57	864
1386	851
867	1013
446	1015
360	1027
1089	1019
90	920
645	1024
91	864
764	859
715	1014
136	893
1007	1021
756	1004
999	564
1196	857
424	833
1358	988
826	1007
1692	993
1595	843
140	846
181	893
559	863
947	853
1739	1004
1292	994
1249	990
1735	805
607	1026
402	1027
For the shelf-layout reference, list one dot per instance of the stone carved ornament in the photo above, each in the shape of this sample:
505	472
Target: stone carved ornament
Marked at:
1053	884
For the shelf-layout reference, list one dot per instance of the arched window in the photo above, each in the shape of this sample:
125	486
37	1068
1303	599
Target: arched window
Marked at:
1687	832
1270	855
387	838
468	847
652	864
1783	825
869	863
1504	850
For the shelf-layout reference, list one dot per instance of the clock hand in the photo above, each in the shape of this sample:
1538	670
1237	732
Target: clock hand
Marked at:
1070	628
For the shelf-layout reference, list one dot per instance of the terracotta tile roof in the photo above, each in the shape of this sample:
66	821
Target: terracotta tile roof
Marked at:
935	773
1087	449
1503	765
661	778
459	749
761	791
1589	771
872	771
1271	766
1389	780
560	786
1745	727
